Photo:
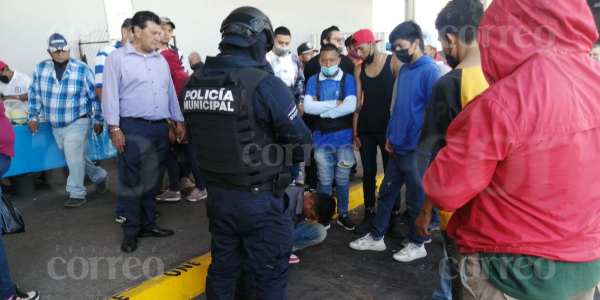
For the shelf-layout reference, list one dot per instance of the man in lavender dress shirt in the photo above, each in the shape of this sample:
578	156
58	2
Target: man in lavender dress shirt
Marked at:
138	98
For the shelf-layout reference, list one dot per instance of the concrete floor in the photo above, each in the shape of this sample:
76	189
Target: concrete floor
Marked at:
74	254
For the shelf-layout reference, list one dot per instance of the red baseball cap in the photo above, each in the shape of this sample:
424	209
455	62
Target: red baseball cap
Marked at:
363	36
2	65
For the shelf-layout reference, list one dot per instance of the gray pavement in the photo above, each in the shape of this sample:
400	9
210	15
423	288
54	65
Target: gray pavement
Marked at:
74	254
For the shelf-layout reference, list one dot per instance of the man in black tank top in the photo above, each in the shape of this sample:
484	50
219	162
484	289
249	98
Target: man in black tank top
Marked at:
375	77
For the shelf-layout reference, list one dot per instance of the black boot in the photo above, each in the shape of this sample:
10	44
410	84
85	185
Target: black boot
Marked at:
395	230
365	225
404	217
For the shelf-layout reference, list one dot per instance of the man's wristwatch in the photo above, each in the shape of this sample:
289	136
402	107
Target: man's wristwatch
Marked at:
115	129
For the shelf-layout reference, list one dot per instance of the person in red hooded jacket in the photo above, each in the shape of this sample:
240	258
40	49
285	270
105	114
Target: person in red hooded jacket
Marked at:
521	163
177	73
173	194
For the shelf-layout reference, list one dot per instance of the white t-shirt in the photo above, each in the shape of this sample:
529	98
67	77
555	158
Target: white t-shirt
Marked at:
19	85
283	67
443	67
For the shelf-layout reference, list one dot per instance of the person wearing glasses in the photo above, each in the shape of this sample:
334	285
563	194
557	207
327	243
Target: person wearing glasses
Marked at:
63	89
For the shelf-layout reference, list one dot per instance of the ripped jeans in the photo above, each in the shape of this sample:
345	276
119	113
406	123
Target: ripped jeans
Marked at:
335	163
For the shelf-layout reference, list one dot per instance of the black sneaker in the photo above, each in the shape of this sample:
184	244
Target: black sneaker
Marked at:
395	230
120	219
404	217
74	202
103	186
344	221
365	225
33	295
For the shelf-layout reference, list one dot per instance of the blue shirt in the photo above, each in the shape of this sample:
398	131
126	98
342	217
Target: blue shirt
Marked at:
414	86
137	85
64	101
327	106
100	60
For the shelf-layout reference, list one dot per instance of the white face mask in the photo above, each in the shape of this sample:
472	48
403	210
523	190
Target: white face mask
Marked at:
280	51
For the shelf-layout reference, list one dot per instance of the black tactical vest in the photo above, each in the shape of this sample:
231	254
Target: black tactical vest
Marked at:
232	150
329	125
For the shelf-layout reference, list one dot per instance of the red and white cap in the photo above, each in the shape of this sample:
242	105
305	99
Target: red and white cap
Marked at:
363	36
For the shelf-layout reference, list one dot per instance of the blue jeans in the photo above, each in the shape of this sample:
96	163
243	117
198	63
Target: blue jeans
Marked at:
72	140
443	291
295	170
307	233
6	286
335	163
402	169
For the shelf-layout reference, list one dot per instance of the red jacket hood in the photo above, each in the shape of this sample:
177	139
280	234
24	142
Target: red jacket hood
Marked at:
177	74
514	31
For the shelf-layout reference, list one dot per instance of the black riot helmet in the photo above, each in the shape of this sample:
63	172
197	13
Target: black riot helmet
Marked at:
248	22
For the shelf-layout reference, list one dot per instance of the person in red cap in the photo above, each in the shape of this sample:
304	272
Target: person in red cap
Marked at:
407	164
375	77
13	84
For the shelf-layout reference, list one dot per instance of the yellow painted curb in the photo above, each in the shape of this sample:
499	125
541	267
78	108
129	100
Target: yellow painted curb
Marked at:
357	196
185	282
188	280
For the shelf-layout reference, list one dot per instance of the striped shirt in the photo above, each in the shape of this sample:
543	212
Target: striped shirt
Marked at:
64	101
101	60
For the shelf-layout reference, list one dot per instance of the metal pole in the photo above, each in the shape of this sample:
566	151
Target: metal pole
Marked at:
409	10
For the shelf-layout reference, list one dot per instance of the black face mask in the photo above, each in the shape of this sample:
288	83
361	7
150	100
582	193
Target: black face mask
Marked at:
452	62
403	55
60	64
4	79
369	58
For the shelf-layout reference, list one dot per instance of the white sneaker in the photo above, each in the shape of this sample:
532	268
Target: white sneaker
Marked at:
300	179
294	259
368	243
410	253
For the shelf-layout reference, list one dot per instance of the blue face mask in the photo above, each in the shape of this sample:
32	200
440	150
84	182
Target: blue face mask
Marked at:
329	71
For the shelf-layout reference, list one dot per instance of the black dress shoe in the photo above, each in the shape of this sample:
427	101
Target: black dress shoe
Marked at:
129	243
157	232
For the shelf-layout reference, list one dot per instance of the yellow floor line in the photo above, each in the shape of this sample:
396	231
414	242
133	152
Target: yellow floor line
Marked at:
188	280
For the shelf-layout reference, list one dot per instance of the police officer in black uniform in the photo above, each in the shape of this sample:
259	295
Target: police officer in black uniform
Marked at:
243	122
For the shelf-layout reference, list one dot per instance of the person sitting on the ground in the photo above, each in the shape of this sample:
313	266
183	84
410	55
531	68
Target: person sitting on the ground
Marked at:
314	207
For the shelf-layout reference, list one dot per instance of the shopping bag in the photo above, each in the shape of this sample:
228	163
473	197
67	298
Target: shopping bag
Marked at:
12	221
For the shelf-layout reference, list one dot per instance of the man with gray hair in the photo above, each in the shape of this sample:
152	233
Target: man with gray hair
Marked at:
195	61
63	89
